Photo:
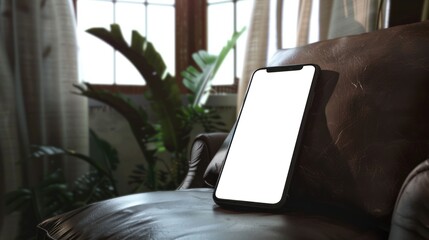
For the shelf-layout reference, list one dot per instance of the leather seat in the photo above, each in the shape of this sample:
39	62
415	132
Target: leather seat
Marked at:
192	214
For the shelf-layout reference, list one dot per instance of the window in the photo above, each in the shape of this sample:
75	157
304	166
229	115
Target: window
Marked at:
154	19
224	18
157	21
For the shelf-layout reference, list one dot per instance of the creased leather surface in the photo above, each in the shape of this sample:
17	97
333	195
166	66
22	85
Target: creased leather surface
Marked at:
192	214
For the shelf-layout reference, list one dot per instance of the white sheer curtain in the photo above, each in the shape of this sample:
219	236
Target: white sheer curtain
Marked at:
332	18
256	54
38	55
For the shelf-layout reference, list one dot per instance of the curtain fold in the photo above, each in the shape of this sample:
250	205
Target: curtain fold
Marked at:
38	52
257	45
9	143
304	17
325	12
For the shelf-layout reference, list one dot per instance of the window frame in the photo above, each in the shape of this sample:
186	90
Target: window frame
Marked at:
191	36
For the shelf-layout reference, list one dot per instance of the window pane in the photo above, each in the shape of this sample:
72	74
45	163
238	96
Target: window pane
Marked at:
217	1
220	30
161	2
129	1
166	2
130	16
95	56
161	33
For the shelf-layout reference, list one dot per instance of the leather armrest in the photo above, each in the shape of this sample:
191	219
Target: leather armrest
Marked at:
212	172
203	149
411	214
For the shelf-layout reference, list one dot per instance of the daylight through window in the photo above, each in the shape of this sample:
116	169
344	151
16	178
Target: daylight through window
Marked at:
155	19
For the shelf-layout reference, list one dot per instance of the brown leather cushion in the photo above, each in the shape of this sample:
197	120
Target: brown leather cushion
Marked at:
368	127
192	214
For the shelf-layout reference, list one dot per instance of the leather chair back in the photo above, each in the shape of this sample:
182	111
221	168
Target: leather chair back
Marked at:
369	127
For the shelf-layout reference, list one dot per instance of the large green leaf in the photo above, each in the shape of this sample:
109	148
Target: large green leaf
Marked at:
163	90
199	81
108	155
136	116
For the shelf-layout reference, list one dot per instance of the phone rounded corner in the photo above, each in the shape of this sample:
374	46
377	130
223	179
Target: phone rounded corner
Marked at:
258	70
215	198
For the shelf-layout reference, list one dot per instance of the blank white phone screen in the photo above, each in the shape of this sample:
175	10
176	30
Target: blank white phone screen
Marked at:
261	149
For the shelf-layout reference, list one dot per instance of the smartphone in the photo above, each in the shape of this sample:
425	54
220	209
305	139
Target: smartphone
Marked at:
265	144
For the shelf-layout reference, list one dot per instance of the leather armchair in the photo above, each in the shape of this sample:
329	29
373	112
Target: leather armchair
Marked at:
363	173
